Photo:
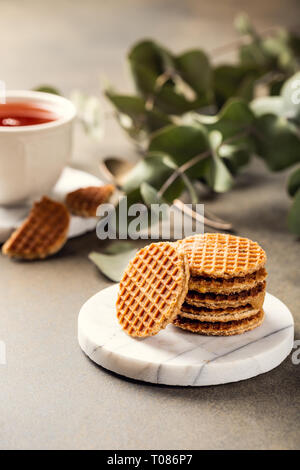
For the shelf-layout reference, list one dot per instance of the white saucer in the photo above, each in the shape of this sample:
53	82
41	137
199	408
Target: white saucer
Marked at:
176	357
70	180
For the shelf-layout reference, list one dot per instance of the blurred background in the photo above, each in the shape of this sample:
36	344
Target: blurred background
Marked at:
83	44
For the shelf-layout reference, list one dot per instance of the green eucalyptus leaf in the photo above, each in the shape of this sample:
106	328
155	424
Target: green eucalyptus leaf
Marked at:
148	61
194	68
133	106
294	182
140	117
182	143
277	141
254	55
151	55
112	265
278	46
234	118
171	102
156	120
234	81
150	194
294	215
153	171
218	175
145	79
186	180
117	247
237	154
47	89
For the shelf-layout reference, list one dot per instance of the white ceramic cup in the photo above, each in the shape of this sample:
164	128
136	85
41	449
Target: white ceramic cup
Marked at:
33	157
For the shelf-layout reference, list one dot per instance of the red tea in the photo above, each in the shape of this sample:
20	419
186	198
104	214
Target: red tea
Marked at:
24	114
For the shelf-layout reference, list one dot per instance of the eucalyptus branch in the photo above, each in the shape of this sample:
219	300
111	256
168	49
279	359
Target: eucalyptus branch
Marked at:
190	188
192	72
159	83
190	163
218	225
269	77
181	169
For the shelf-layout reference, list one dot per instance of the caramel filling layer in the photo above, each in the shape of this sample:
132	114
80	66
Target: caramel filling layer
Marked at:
237	279
194	309
218	325
232	296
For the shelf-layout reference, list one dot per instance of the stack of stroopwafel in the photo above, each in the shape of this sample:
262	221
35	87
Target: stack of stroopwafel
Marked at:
226	287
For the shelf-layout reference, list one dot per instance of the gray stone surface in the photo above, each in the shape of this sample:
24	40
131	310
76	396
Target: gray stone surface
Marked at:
51	395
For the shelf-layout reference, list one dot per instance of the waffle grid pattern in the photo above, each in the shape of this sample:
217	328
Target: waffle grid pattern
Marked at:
85	201
226	287
43	232
150	289
222	255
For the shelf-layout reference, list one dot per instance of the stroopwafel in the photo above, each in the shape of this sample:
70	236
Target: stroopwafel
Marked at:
223	256
42	234
220	328
225	286
217	314
254	297
84	202
152	289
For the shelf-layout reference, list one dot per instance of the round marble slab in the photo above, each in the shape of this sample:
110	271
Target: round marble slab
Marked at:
176	357
70	180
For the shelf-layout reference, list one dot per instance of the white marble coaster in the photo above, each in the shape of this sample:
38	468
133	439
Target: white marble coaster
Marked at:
176	357
70	180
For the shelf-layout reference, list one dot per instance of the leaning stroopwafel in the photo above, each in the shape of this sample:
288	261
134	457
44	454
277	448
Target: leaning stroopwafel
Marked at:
220	328
42	234
85	201
222	255
152	289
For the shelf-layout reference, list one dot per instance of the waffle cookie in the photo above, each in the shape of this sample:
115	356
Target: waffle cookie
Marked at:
152	289
225	256
227	284
254	296
217	314
84	202
229	328
219	285
42	234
